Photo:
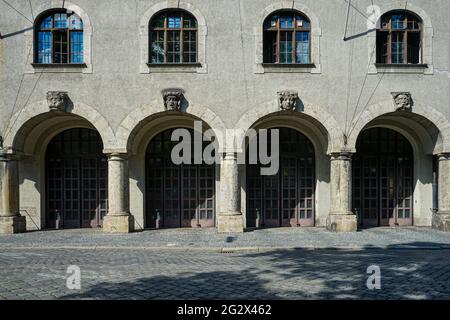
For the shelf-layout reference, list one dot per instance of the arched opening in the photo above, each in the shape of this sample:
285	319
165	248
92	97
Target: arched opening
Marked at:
177	196
287	198
58	38
287	38
76	180
383	178
399	38
173	37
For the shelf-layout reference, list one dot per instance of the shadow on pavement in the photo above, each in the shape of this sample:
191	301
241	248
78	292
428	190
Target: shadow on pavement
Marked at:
297	274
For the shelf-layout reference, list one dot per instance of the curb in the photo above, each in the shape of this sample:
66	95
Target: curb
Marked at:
226	250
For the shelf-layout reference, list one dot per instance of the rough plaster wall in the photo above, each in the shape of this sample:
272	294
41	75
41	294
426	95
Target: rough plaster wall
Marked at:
230	88
116	88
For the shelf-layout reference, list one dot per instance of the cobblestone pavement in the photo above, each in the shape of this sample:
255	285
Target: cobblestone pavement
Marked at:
201	264
209	238
176	274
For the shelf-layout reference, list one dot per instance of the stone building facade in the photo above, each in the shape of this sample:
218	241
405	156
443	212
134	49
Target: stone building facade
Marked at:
90	91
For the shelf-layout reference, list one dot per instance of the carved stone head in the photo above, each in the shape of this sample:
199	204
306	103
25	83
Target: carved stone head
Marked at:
57	100
172	99
287	100
402	101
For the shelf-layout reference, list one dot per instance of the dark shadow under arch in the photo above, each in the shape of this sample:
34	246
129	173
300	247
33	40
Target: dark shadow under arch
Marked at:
76	180
177	196
286	199
383	179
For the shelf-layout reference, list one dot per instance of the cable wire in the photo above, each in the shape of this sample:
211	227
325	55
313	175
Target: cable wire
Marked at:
346	20
373	92
349	78
12	7
8	123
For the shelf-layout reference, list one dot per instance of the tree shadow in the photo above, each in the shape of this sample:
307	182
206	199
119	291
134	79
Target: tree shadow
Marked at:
296	274
408	271
184	286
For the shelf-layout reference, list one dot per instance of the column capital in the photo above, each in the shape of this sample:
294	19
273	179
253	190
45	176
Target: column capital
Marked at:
344	155
6	157
118	156
445	156
229	155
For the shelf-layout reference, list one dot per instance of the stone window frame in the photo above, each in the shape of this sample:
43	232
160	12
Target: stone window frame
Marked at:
316	33
426	67
165	30
144	33
53	30
86	67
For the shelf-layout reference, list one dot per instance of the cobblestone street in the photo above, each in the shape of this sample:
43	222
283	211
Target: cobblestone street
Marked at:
32	266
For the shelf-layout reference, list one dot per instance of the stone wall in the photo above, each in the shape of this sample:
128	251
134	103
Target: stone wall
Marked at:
118	94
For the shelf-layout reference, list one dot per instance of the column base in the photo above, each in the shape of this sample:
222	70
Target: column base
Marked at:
342	223
441	221
12	225
118	224
230	223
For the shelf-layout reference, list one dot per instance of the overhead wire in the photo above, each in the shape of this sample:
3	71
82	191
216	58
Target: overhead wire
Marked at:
346	20
373	92
350	70
242	40
9	127
16	10
350	130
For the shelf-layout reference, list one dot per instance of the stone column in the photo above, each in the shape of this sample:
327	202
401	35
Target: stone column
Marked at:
118	219
10	219
230	219
341	218
441	219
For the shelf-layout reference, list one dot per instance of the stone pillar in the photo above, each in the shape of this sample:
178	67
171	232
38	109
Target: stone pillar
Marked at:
118	219
230	219
441	219
10	219
341	218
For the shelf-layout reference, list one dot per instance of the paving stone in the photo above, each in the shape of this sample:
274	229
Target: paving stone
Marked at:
410	237
420	272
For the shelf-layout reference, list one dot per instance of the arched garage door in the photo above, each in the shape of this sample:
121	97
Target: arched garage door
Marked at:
76	180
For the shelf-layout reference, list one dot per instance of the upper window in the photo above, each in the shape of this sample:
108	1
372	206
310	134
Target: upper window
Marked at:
173	38
287	38
59	38
399	38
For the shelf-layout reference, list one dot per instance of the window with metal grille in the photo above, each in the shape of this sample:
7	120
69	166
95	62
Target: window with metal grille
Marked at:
173	38
59	38
399	38
287	38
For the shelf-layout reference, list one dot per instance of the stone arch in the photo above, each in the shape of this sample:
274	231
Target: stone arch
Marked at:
171	4
316	125
316	32
48	5
33	122
138	119
29	134
425	125
326	126
426	129
406	5
428	32
140	127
